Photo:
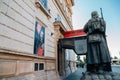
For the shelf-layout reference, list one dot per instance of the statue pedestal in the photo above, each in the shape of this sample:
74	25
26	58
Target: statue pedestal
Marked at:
100	76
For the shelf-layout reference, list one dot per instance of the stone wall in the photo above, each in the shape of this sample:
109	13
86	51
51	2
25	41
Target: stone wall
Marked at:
17	29
16	26
23	68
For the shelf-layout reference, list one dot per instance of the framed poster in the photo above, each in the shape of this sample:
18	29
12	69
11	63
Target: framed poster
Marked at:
39	39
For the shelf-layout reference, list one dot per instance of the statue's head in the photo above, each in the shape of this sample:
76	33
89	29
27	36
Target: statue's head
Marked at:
94	14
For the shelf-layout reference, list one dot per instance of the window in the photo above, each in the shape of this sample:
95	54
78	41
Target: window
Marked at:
44	3
41	66
36	67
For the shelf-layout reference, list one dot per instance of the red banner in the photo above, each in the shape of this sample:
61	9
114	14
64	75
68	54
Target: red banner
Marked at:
74	33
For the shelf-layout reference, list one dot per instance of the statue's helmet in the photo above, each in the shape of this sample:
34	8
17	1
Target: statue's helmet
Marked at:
94	14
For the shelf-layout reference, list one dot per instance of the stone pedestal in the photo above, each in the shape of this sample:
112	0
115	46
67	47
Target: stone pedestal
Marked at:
101	76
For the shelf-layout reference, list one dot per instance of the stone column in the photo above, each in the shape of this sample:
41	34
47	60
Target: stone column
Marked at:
58	26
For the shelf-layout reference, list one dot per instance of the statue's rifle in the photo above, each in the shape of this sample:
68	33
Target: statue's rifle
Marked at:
103	19
101	13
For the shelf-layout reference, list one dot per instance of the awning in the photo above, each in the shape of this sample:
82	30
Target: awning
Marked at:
74	33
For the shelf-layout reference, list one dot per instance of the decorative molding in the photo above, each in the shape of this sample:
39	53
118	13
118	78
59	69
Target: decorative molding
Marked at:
64	13
16	55
71	2
59	23
59	29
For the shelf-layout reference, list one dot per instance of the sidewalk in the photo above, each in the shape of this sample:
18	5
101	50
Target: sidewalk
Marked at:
76	75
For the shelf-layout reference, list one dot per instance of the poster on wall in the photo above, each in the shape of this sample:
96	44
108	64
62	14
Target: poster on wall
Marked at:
39	39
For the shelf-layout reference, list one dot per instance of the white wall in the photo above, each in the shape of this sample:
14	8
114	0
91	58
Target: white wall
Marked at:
17	25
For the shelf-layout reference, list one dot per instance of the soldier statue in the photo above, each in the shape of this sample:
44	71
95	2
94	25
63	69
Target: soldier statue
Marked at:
98	57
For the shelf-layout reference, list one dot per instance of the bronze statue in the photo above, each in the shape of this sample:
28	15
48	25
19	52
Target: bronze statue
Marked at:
98	57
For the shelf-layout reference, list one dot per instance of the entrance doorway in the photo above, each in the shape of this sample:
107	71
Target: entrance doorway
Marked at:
67	46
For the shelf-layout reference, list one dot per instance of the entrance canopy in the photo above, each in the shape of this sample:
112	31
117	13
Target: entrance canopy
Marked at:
77	41
74	33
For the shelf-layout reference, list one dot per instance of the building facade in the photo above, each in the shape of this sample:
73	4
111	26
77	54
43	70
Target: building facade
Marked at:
29	35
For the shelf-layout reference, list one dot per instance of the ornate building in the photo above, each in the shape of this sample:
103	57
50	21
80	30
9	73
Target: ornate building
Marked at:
29	35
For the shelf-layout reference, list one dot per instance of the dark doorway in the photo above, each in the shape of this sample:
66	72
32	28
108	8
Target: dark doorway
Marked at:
61	60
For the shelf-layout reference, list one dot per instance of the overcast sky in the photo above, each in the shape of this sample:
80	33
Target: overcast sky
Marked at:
111	12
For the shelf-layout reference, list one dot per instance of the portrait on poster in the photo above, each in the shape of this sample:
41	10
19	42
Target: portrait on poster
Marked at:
39	39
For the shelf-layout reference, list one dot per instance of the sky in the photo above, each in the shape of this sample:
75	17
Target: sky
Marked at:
111	13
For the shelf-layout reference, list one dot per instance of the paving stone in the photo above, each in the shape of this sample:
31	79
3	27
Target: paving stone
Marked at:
114	74
108	77
101	76
95	76
95	79
117	77
2	79
88	77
